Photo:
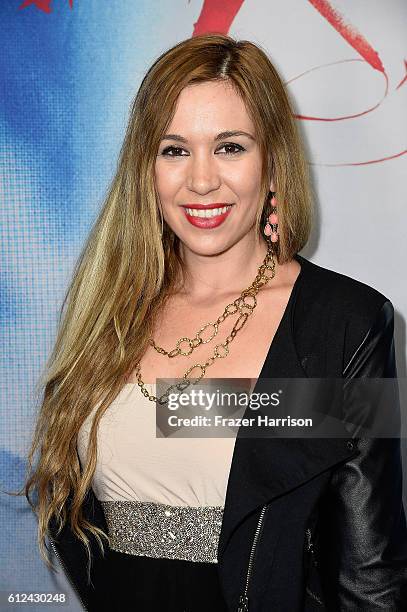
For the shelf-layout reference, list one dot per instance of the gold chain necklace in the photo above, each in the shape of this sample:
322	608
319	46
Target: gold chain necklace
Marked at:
241	305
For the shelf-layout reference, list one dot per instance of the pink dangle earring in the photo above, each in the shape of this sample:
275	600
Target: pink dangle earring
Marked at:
271	227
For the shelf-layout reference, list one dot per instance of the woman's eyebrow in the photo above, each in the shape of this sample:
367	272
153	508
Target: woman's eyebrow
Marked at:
220	136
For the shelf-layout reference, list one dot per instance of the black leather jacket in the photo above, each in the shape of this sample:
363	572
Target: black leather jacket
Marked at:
309	524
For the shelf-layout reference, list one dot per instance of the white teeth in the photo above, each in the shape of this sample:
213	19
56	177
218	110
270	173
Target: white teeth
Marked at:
206	213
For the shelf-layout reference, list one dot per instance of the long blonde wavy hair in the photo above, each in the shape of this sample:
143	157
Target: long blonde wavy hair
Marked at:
131	263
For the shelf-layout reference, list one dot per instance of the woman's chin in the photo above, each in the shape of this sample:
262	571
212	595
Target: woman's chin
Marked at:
207	247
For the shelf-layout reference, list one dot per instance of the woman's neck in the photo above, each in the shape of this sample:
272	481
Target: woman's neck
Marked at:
229	272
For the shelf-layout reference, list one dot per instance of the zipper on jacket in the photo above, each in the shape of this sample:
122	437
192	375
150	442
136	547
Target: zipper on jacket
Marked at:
243	599
310	550
65	571
310	546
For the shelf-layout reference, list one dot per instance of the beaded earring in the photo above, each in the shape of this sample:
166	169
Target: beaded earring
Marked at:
271	227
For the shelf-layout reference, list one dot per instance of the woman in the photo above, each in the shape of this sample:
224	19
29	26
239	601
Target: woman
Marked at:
197	244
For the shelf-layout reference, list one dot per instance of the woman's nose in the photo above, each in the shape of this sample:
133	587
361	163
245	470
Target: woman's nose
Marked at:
204	173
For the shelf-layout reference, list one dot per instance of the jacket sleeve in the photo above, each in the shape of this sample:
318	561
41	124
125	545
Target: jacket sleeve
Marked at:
364	536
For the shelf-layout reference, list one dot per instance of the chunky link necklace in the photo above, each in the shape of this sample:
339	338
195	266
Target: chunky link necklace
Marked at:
244	305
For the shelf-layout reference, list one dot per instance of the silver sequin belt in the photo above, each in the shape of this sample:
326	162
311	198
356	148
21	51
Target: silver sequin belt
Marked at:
157	530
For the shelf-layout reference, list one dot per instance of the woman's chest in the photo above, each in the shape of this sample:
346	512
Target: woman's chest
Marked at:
233	348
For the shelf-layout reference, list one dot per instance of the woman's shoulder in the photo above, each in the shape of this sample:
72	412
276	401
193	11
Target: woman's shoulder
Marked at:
334	313
340	294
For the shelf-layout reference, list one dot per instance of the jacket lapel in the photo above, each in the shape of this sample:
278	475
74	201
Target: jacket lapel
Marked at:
264	468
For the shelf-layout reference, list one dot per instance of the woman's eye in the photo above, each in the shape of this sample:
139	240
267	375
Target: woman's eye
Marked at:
166	152
233	145
172	151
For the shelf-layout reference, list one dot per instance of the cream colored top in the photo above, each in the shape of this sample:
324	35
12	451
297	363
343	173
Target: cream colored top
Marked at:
133	464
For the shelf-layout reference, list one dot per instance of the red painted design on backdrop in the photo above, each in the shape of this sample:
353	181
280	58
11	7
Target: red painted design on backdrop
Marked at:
405	78
362	163
42	5
349	33
218	17
343	117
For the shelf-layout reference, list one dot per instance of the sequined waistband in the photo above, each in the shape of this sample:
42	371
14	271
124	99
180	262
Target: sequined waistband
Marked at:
157	530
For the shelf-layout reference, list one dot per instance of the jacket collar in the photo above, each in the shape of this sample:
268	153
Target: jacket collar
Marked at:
270	467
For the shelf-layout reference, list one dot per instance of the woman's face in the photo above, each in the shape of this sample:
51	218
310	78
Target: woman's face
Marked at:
197	166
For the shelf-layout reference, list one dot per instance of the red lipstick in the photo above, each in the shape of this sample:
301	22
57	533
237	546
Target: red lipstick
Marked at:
207	222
